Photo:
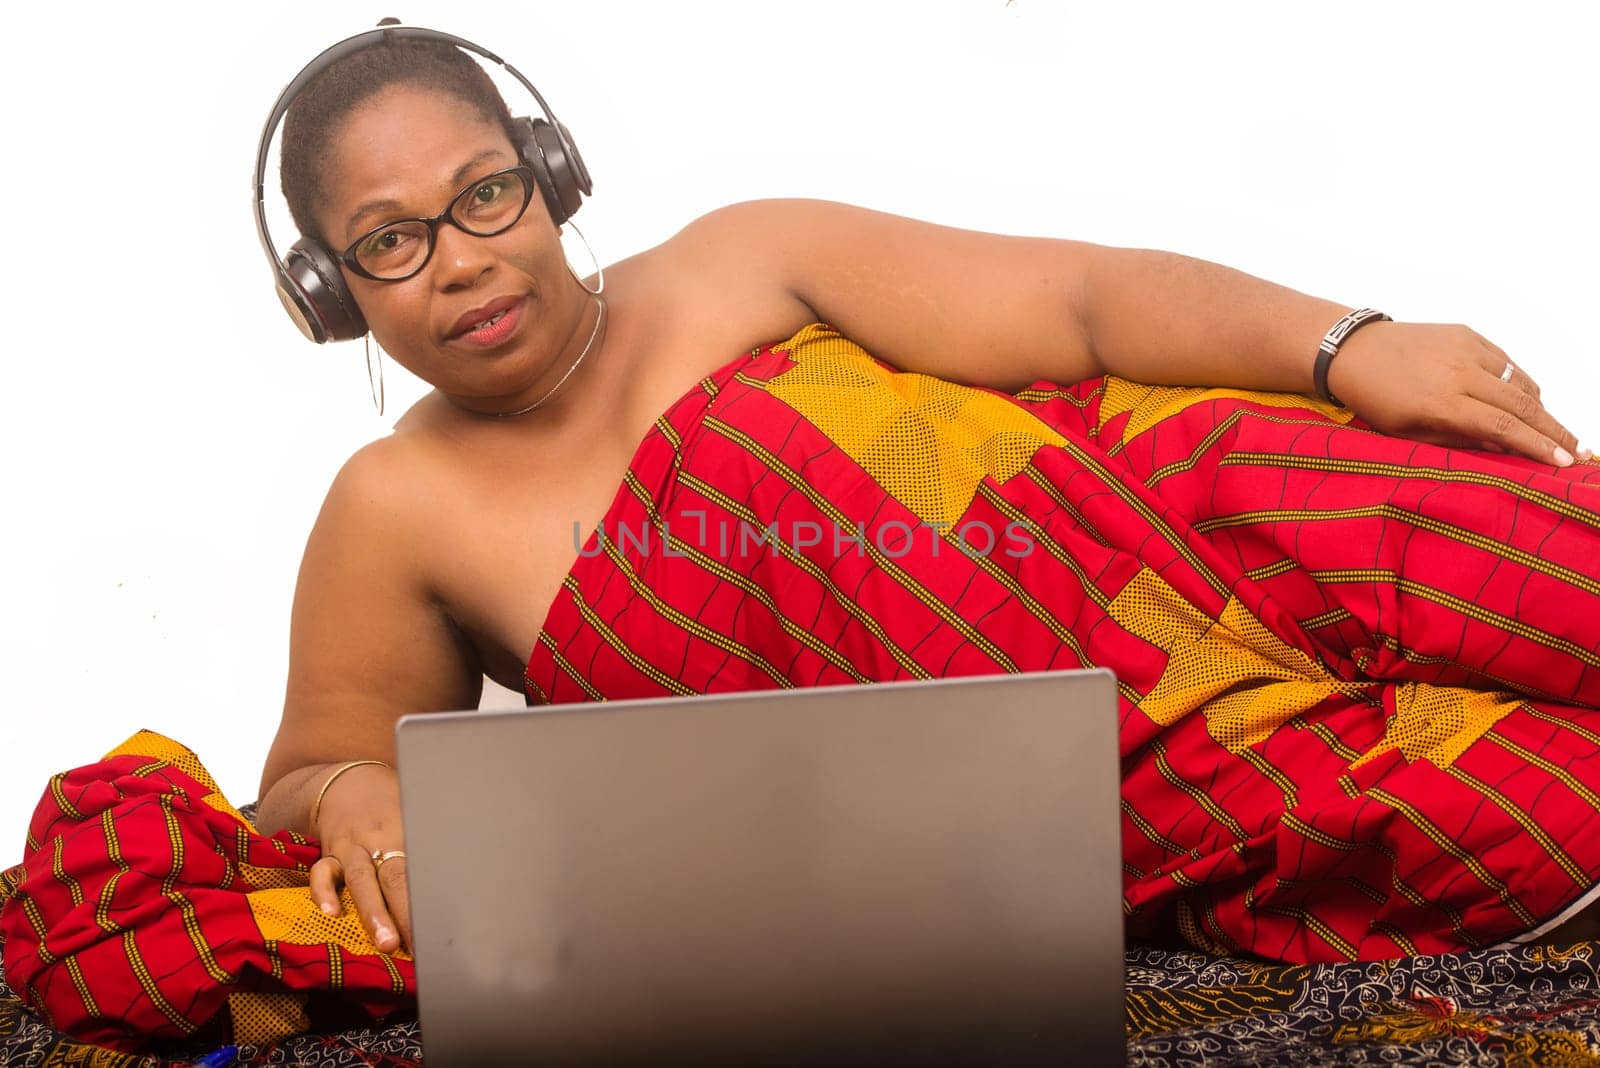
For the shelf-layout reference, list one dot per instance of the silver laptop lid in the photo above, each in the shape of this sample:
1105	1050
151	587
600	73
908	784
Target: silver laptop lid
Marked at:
925	872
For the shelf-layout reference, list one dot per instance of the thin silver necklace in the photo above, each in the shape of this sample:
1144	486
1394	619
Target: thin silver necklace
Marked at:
599	320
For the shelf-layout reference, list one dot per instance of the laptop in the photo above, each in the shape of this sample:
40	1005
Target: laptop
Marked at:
901	873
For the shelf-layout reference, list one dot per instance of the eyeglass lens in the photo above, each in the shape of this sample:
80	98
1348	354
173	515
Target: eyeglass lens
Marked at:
483	209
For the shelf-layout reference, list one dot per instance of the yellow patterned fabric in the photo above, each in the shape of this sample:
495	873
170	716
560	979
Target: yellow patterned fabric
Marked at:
928	441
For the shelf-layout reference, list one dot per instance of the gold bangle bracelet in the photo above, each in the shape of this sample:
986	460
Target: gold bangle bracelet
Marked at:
316	806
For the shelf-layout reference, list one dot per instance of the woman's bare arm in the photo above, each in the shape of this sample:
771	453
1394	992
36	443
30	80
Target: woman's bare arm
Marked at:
1002	311
368	644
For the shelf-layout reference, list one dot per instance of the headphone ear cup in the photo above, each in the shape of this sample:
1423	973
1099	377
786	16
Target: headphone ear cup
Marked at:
580	169
527	146
562	176
316	297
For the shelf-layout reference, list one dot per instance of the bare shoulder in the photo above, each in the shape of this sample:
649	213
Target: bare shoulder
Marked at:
380	477
786	226
966	305
771	242
376	492
366	479
752	216
757	233
723	280
370	540
367	641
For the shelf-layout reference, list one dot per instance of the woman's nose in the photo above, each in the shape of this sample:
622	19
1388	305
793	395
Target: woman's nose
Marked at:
460	258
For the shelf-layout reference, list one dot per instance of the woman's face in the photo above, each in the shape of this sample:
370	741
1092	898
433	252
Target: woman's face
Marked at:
406	153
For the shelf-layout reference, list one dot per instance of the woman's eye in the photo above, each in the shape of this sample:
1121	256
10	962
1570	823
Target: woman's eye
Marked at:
489	192
384	243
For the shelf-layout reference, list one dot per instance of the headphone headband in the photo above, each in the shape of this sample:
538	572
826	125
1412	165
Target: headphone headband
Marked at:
566	173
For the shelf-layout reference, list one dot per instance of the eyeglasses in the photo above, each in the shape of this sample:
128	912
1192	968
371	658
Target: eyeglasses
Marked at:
396	251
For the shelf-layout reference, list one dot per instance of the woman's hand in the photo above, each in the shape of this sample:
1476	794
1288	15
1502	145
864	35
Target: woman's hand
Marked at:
358	823
1445	384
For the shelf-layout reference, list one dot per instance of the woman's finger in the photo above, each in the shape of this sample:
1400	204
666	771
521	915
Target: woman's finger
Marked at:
362	879
1488	422
392	881
1564	437
325	876
1512	374
1522	406
1498	363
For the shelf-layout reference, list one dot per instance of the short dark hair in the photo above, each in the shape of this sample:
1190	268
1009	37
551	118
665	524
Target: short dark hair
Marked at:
317	111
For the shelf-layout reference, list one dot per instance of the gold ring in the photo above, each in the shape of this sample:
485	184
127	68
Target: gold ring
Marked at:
381	855
1511	369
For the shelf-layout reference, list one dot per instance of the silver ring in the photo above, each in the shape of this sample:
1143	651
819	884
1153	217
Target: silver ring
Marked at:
1511	369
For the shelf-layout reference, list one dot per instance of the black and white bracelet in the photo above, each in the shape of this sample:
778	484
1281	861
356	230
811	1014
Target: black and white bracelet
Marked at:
1330	347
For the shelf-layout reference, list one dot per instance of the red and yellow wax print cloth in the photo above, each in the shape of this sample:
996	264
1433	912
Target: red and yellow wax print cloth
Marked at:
1356	672
146	905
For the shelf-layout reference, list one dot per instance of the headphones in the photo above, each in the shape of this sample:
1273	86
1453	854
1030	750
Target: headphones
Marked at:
309	280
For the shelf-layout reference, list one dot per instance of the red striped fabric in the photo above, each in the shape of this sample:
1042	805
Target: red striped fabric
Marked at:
1356	672
148	908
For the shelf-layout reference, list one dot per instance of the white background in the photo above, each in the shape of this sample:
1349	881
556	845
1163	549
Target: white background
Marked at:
168	436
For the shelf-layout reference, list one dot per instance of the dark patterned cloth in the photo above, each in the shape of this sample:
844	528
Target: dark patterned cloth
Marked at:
1524	1007
1528	1007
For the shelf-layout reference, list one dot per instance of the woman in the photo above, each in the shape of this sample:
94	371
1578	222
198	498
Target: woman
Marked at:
440	550
1244	556
446	551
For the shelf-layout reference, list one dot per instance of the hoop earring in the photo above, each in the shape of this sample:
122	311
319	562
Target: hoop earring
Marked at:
599	271
375	387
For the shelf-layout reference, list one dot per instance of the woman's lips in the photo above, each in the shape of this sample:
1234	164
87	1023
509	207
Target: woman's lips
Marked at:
497	329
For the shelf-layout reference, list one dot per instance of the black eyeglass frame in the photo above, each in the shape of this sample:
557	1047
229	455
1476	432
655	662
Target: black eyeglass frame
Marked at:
522	171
